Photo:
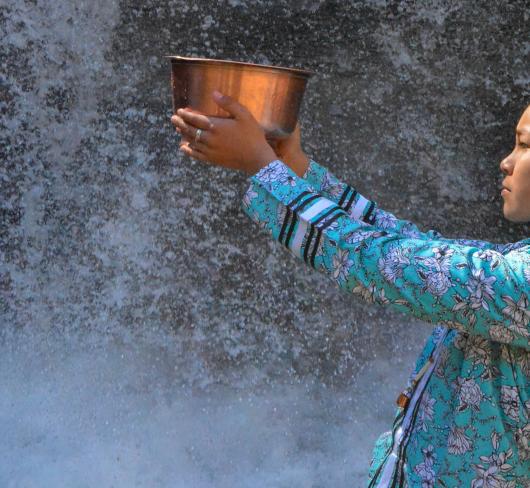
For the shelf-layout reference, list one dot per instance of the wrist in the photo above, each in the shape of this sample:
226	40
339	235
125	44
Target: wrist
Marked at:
300	163
263	159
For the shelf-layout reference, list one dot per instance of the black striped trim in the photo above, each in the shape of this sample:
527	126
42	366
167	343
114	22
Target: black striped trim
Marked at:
315	248
294	209
343	197
308	242
339	213
323	216
299	197
350	201
285	221
302	206
366	218
291	229
321	219
321	227
372	219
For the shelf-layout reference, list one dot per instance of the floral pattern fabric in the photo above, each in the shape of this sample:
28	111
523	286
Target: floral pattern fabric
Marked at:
471	426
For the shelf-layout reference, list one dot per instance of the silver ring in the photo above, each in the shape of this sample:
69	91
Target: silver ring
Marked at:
198	135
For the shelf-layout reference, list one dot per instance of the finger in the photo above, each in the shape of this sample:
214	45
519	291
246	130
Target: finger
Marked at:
178	123
198	146
196	119
232	106
189	131
193	152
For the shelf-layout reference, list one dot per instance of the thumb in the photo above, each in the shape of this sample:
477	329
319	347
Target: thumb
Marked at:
230	105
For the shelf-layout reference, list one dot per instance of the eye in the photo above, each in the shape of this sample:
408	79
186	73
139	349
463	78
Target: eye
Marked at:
524	145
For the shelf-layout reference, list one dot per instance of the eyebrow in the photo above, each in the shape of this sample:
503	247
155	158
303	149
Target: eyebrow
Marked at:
523	132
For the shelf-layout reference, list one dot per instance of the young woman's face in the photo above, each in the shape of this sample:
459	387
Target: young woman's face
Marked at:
516	167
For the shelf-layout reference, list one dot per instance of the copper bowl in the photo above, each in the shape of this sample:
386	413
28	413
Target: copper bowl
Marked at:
273	94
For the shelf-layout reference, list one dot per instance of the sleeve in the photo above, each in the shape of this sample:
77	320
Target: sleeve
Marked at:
361	208
464	287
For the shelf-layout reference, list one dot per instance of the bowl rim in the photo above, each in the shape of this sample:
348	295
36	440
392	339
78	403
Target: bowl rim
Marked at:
239	64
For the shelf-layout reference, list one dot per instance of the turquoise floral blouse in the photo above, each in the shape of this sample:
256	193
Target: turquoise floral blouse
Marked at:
467	421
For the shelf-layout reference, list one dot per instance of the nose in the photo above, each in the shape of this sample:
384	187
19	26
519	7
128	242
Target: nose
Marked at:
506	165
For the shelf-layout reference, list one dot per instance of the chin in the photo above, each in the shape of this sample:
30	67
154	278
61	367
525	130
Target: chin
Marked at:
515	217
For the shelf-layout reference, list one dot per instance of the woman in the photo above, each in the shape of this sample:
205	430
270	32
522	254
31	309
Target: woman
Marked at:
464	418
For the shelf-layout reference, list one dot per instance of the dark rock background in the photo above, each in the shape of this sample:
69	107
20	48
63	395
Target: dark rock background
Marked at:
109	236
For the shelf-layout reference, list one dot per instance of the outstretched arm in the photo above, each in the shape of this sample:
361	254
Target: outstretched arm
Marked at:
361	208
463	286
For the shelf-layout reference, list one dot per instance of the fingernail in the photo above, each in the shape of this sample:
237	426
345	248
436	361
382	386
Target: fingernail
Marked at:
217	95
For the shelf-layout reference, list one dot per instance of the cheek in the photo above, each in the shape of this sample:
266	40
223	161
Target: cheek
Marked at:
521	184
522	180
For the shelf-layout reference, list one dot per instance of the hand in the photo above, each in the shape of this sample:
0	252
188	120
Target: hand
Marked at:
289	150
236	143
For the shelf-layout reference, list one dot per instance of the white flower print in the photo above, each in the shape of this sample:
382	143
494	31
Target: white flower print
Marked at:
410	231
341	265
360	235
519	313
367	293
492	476
490	255
469	394
480	289
436	283
487	478
478	349
507	354
425	469
332	186
461	341
509	401
522	437
384	220
249	195
523	360
456	325
443	255
275	172
500	333
436	277
280	215
393	263
426	412
458	442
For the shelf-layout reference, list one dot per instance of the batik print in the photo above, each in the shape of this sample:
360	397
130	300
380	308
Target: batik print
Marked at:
471	426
